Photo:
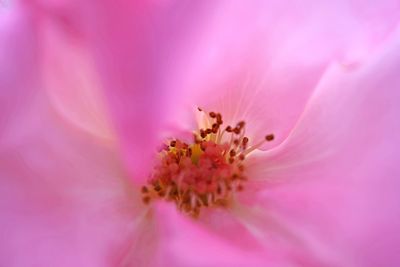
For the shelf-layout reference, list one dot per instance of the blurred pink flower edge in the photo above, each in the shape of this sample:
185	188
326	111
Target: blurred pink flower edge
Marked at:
87	89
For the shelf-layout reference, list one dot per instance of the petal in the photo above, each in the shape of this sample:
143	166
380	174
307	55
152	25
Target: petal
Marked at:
185	242
338	170
65	200
134	54
18	57
72	81
152	56
260	61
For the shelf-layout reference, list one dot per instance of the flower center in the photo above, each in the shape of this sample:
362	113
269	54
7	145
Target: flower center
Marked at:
204	173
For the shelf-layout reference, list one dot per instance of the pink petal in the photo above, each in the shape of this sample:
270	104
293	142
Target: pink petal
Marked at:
18	57
64	197
65	200
337	173
183	241
72	81
159	54
135	55
260	61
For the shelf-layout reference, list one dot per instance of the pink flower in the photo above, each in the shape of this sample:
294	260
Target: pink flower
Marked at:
90	89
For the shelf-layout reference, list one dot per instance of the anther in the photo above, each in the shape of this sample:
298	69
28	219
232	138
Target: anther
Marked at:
245	140
219	119
215	128
157	187
173	143
269	137
219	190
240	125
146	199
213	115
241	168
144	189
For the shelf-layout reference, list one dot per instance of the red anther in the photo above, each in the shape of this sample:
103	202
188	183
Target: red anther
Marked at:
199	109
172	143
228	129
219	119
203	133
219	190
232	153
245	140
236	130
241	167
241	124
236	142
241	157
231	160
189	152
146	199
215	128
157	187
145	189
239	188
212	114
269	137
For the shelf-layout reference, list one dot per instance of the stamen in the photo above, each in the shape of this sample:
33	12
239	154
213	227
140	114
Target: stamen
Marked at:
205	173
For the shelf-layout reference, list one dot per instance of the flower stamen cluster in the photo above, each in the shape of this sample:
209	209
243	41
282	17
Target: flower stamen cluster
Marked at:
205	173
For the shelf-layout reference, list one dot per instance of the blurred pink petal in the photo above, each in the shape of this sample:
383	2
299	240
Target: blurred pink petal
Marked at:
71	80
207	249
64	195
119	39
167	52
336	176
135	46
262	61
18	75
